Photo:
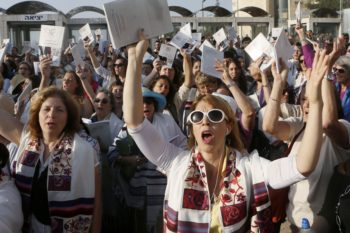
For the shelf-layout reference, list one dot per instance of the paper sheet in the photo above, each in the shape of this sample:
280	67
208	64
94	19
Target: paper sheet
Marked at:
209	58
169	52
86	34
126	17
51	36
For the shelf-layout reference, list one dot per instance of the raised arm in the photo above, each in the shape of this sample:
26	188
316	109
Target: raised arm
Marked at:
45	69
248	113
10	127
309	150
271	124
335	130
81	72
132	96
90	50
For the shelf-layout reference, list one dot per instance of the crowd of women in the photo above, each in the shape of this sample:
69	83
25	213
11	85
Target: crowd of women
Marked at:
186	152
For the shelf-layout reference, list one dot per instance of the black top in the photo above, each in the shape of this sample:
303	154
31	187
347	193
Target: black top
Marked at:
336	187
40	203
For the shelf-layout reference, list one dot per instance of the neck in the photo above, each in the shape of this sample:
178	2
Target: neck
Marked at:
50	140
213	158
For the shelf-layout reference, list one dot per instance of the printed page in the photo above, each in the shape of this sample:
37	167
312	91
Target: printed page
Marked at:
206	43
258	47
169	52
126	17
209	58
51	36
220	36
86	34
231	34
75	50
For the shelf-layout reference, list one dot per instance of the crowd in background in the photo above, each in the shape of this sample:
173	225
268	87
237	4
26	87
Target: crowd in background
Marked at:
59	178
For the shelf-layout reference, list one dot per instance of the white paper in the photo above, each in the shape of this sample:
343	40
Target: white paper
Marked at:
181	40
197	37
101	132
209	58
254	100
258	47
75	50
4	47
86	34
231	34
283	50
168	52
36	67
126	17
220	36
187	30
206	43
98	32
276	32
51	36
298	12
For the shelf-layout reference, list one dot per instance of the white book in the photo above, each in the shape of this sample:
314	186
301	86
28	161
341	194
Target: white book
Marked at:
276	32
298	12
258	47
169	52
100	131
51	36
209	58
187	30
197	37
231	34
183	41
4	47
126	17
86	34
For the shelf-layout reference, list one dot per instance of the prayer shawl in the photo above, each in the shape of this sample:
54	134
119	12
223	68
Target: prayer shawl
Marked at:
187	202
70	182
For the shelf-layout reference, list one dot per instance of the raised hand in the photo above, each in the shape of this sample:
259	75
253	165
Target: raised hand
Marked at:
283	74
45	66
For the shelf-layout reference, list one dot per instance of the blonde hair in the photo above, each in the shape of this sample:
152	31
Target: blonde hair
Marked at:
233	139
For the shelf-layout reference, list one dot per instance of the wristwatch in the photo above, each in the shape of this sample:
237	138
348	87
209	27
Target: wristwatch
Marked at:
230	84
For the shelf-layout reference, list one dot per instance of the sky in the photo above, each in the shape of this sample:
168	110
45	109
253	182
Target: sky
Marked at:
66	5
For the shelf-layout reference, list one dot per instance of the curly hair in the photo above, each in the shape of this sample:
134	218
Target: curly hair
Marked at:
73	111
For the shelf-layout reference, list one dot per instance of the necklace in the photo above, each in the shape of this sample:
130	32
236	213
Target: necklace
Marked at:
213	197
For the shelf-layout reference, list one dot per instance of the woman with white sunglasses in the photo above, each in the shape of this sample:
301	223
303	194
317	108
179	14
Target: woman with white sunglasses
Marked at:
213	187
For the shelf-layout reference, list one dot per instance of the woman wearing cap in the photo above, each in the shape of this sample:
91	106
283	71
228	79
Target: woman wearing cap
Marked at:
210	187
55	170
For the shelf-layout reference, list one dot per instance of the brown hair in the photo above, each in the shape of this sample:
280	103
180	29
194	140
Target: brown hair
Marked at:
73	111
233	139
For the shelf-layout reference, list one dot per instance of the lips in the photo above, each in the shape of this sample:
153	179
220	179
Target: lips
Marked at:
207	137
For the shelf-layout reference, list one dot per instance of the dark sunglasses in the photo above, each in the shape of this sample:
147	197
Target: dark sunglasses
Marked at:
103	101
118	65
214	116
340	71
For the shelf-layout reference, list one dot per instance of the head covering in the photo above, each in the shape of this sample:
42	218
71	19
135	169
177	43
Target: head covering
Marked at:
159	98
16	81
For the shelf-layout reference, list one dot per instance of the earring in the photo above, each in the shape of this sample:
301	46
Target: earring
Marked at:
227	132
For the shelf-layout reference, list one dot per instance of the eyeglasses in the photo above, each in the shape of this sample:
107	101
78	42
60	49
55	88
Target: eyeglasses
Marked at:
103	101
340	70
118	65
214	116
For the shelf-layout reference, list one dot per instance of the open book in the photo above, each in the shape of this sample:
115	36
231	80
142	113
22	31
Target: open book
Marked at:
100	131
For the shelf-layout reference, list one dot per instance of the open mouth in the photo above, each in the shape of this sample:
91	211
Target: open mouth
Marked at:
207	137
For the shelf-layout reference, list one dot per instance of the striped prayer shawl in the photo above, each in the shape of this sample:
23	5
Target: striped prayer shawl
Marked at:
70	182
189	210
